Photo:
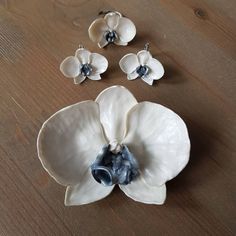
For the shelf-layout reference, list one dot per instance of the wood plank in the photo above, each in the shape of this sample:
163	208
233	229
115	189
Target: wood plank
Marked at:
195	40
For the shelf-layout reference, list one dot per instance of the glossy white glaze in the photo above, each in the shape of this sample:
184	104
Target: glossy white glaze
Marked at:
140	191
70	140
72	65
159	140
130	62
112	21
87	191
114	104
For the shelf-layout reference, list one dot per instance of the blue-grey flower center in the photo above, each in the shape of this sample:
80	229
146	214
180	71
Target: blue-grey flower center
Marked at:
86	69
142	70
111	36
114	168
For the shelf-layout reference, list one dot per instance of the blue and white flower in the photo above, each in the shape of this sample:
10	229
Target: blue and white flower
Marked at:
113	28
93	145
142	65
84	64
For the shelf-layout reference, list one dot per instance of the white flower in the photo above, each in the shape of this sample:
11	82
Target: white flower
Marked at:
142	65
71	139
84	64
113	28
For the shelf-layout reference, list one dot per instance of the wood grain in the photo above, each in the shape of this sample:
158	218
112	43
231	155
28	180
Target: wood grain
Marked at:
195	40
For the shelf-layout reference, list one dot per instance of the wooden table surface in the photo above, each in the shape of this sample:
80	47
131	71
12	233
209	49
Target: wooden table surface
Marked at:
196	42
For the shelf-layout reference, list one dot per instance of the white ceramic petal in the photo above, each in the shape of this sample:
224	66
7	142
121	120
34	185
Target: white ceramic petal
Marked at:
126	29
94	77
159	140
97	29
120	43
148	79
144	56
79	79
132	76
70	67
114	104
156	69
83	55
129	62
69	141
99	63
112	19
140	191
86	191
103	42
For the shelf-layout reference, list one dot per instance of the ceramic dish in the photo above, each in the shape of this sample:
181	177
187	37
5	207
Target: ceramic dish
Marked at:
93	145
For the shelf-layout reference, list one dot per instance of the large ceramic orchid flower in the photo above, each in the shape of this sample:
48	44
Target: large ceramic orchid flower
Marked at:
93	145
113	28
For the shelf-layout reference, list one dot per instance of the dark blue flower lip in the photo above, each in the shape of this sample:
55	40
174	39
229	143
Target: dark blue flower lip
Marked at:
102	175
110	168
142	70
86	69
111	36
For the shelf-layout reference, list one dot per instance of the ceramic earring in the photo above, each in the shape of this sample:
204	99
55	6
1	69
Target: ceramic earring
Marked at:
84	64
112	28
142	65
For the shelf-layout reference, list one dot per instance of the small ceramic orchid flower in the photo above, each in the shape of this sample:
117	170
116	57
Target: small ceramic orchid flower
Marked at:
113	28
84	64
92	146
142	65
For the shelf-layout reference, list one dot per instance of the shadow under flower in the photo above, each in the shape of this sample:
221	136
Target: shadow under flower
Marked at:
201	146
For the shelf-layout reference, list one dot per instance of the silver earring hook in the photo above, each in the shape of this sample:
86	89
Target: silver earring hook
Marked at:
103	12
109	11
146	46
